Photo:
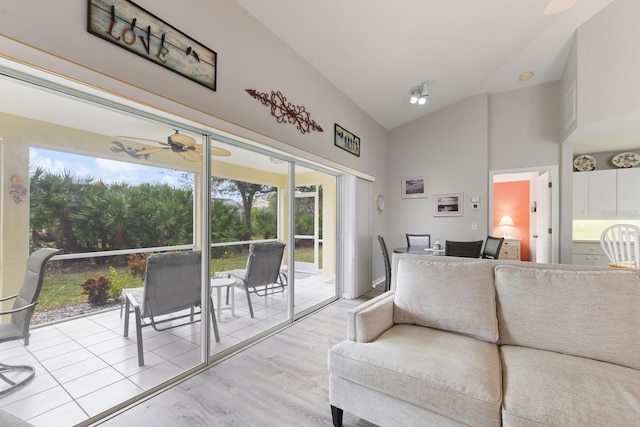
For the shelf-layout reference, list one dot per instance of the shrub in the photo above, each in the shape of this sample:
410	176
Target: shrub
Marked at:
97	289
137	264
116	283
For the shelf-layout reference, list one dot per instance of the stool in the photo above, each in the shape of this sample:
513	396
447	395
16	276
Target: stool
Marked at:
218	284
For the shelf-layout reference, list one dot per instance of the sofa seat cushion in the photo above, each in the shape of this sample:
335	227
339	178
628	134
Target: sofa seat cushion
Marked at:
544	388
446	373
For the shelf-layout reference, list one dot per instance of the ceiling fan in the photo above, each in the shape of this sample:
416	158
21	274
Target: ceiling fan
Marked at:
183	145
557	6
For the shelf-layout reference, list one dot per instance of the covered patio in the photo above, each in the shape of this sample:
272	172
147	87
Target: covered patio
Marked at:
85	366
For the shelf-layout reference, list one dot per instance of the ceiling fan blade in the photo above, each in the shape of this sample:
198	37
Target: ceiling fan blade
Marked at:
557	6
192	156
215	151
221	152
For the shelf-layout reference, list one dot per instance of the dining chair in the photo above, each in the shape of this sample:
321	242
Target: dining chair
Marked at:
470	249
621	243
418	240
492	247
387	264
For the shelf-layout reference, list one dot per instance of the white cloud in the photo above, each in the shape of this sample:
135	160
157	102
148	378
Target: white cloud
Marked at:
108	171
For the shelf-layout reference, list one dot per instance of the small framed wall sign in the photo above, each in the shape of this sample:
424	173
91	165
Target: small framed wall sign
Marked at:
414	187
346	140
450	204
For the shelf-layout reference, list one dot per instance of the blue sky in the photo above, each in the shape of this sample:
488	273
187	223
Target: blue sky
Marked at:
109	171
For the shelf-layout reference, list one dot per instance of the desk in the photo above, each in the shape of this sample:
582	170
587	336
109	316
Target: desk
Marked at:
218	284
418	250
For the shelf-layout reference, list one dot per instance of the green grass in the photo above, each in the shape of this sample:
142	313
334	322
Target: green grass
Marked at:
61	289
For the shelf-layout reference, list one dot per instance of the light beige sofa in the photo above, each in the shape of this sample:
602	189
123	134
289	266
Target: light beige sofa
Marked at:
488	343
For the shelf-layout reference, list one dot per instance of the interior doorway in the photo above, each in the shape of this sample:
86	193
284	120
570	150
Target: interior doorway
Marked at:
529	195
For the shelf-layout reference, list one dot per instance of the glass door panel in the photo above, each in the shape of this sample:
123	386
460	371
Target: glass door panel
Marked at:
248	220
315	238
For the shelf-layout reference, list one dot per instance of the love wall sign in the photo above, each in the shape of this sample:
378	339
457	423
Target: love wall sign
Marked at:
131	27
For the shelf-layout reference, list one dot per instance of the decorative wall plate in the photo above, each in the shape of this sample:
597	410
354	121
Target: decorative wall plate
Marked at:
584	163
625	160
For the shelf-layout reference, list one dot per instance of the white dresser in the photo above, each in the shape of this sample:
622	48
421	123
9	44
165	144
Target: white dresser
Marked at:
510	249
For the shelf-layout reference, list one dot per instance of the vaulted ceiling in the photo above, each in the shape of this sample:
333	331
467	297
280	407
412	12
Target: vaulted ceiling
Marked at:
375	51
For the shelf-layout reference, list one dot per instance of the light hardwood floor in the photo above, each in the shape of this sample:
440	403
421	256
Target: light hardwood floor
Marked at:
280	381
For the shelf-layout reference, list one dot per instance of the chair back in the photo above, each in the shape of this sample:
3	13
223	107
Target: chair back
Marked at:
387	264
621	243
419	240
31	287
172	282
492	247
263	264
463	249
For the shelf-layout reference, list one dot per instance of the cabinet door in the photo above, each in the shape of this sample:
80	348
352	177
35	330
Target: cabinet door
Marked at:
602	193
580	195
628	192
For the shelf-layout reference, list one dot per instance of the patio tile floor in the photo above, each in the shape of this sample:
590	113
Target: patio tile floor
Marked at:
85	366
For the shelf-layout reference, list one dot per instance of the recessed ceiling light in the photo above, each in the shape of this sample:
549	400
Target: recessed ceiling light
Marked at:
525	76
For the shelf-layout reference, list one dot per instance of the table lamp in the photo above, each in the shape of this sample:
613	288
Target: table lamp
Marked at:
506	222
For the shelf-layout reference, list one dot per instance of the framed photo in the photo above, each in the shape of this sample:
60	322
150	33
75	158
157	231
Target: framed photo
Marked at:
450	204
414	187
346	140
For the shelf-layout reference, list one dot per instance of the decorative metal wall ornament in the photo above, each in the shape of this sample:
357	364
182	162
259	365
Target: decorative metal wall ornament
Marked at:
286	112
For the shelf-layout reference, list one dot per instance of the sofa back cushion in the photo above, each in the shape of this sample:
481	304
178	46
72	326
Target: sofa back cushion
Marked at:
593	314
452	296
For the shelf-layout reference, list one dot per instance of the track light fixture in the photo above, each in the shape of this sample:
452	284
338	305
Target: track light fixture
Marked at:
419	94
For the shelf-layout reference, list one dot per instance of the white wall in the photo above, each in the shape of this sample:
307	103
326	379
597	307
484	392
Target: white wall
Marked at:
608	64
450	148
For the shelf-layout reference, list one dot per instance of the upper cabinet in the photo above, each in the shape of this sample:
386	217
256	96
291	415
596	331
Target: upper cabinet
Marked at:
606	194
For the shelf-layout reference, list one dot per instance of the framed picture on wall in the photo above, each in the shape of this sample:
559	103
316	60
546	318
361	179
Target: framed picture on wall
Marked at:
346	140
450	204
414	187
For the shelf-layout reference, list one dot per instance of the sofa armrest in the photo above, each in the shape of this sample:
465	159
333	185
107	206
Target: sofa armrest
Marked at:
369	320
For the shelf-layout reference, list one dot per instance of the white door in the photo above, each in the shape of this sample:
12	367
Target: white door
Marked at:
542	235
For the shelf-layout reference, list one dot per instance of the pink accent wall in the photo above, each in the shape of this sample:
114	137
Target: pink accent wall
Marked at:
512	198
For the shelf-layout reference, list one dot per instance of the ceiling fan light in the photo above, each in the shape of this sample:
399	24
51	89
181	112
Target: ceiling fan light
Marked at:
414	98
422	100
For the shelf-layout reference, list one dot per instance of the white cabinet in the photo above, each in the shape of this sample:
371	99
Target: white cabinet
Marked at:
606	194
510	249
589	253
628	193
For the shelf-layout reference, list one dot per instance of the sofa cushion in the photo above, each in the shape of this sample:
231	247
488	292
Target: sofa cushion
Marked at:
450	374
593	314
553	389
452	296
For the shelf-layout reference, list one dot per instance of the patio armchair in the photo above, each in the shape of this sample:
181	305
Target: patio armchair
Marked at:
262	274
172	285
25	302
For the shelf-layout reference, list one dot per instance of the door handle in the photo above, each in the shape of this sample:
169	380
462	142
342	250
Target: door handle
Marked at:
535	236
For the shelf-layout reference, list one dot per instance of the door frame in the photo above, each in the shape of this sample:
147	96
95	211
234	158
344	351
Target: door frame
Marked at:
554	173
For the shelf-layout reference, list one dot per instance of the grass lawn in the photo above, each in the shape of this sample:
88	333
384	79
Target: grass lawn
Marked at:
65	287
